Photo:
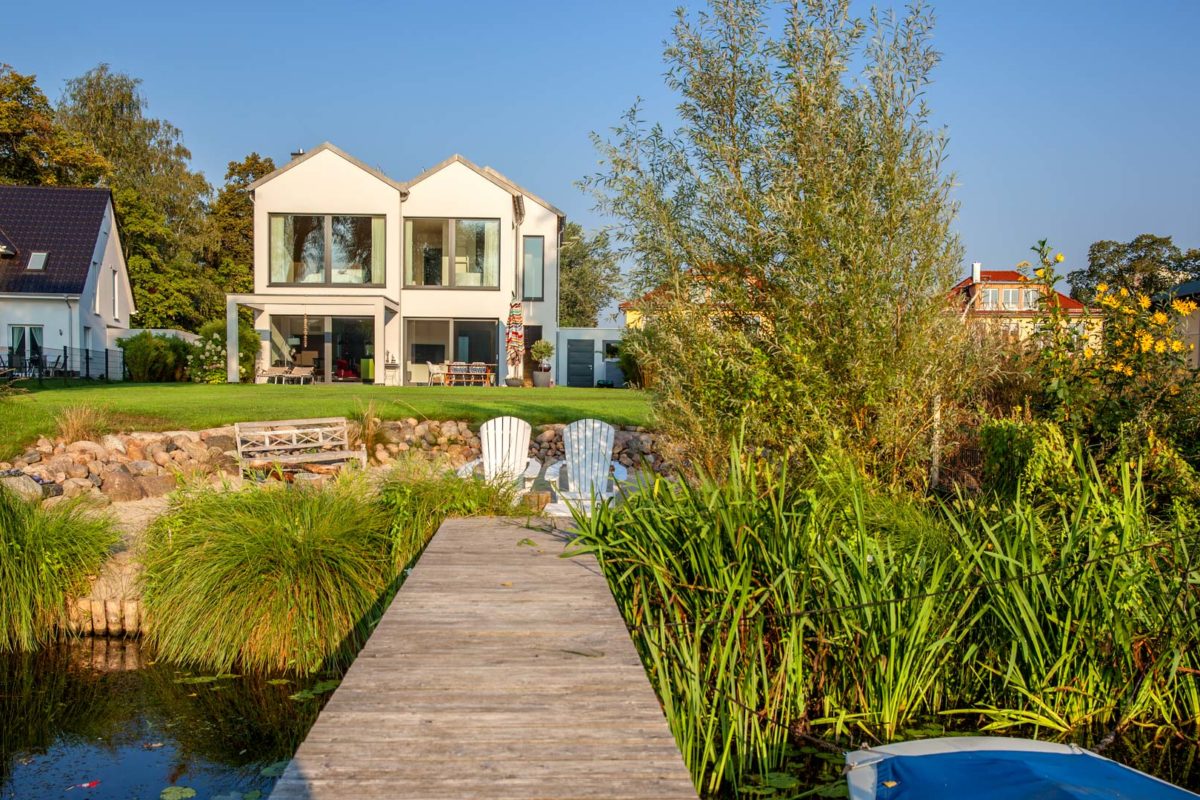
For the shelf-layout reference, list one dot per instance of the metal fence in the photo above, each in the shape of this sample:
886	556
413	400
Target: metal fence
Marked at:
62	362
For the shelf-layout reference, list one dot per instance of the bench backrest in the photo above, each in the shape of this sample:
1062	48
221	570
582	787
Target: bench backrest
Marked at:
291	435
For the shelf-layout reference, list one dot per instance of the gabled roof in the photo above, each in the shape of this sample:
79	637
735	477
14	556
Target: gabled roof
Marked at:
1067	303
488	173
61	221
1189	289
321	148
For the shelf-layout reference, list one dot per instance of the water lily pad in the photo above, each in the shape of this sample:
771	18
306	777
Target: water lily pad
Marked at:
321	687
781	780
253	794
278	682
176	793
274	770
838	789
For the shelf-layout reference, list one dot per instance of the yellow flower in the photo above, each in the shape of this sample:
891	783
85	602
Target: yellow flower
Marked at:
1176	346
1160	318
1088	352
1143	301
1040	272
1183	307
1160	346
1058	257
1124	292
1101	288
1128	371
1147	342
1118	366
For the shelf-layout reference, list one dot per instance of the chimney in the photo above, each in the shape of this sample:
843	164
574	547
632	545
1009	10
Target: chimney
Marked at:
976	271
299	151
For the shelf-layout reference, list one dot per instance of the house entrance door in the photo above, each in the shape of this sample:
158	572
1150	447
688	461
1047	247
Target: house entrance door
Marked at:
25	347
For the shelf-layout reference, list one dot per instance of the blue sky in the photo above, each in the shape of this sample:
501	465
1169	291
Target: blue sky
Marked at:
1075	120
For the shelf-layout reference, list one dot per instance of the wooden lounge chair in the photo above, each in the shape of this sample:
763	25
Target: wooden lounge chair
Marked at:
505	453
587	459
299	375
273	374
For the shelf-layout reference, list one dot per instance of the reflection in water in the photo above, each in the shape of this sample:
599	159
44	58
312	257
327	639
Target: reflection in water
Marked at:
101	710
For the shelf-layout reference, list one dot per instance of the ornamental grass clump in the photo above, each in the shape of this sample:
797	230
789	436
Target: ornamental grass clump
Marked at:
267	579
46	557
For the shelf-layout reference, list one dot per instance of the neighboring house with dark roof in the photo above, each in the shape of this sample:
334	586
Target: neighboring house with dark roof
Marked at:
1008	302
363	278
63	281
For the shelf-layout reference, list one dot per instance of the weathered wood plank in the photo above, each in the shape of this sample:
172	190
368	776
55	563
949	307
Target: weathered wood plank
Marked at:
501	670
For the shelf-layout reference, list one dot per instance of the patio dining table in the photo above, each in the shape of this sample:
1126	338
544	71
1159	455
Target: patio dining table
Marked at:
467	374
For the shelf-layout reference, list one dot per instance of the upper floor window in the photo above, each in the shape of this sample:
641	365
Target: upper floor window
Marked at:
989	299
533	286
452	253
37	260
329	248
1011	298
1032	296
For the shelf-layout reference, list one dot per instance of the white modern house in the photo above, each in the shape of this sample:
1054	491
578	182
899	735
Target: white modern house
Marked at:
64	288
365	278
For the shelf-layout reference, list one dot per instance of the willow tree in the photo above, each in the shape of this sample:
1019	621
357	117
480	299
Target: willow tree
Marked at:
792	235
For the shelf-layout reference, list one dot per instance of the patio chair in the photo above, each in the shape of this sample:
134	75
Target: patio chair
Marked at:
587	458
505	453
458	372
437	374
478	372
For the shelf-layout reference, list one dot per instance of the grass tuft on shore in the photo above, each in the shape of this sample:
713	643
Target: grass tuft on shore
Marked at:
284	578
46	558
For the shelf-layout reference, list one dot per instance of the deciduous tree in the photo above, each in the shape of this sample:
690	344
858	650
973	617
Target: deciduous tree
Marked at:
34	147
1148	264
233	224
589	277
796	226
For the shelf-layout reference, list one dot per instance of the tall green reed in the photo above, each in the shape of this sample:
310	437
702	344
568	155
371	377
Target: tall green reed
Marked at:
776	603
46	557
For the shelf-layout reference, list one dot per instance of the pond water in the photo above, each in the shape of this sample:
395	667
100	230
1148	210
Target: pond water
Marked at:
93	719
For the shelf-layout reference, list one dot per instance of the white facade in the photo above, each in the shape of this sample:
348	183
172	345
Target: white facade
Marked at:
411	273
90	320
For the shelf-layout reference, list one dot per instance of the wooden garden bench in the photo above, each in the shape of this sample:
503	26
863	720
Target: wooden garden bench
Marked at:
262	445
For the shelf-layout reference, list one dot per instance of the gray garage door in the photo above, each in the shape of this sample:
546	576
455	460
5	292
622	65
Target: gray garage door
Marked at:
581	362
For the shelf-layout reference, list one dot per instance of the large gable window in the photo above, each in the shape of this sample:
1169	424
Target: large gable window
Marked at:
315	248
452	253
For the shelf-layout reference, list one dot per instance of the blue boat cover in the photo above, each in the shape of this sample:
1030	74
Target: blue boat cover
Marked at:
1013	774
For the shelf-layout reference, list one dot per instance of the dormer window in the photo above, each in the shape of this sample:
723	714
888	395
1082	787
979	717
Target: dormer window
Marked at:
37	260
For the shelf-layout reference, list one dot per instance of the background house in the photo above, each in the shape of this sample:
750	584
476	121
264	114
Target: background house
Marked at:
1189	327
64	289
1007	302
365	278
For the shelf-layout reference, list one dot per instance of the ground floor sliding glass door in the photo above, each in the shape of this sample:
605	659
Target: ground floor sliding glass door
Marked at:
338	349
436	343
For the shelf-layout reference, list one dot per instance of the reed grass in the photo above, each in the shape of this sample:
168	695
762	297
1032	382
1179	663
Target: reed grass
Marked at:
773	604
46	557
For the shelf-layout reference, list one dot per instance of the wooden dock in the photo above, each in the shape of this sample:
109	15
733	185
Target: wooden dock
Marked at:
500	671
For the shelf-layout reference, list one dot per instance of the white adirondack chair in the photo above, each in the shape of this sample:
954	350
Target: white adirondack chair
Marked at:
587	458
505	445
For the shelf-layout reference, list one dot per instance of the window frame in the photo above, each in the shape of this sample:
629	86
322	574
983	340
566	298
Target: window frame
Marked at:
984	293
327	255
541	296
1016	295
116	285
452	244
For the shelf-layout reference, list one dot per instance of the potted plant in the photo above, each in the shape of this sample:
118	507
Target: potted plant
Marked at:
542	351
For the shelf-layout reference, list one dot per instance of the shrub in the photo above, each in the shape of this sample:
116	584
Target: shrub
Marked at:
541	351
1028	454
46	556
366	427
82	421
268	578
153	358
208	362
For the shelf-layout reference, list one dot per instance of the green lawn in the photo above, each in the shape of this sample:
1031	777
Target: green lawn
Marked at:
167	406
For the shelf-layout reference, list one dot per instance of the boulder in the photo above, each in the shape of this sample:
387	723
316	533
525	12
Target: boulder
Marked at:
156	485
96	451
23	485
113	444
162	457
59	463
74	487
32	457
195	450
223	441
138	468
309	479
95	467
120	486
77	471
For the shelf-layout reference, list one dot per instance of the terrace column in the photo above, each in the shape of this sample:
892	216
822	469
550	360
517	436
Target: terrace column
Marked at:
231	342
378	349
